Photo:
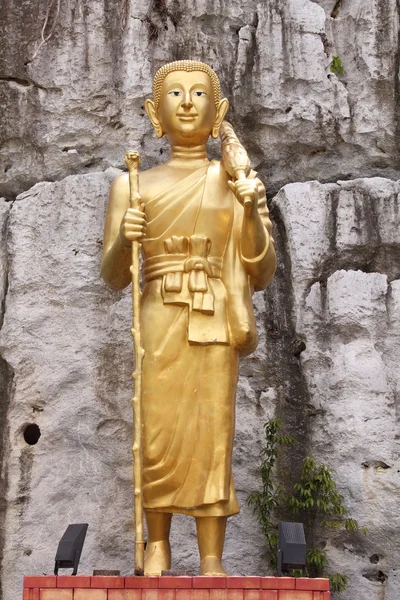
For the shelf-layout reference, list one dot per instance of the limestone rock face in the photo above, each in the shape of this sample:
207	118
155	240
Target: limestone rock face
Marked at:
343	248
55	340
4	212
314	93
75	103
4	373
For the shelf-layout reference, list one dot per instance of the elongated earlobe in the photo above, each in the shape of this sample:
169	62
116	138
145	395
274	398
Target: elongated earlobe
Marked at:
152	114
221	112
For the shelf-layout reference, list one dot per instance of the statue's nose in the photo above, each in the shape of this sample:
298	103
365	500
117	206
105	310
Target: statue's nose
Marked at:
187	100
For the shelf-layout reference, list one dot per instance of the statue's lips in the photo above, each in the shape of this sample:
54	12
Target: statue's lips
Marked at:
186	117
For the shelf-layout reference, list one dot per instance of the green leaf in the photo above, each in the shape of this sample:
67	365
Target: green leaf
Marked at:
338	582
351	525
337	66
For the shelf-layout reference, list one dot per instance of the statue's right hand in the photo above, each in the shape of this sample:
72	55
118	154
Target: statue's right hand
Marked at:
133	226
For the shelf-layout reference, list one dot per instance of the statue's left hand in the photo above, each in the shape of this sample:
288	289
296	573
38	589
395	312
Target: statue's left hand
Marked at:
246	189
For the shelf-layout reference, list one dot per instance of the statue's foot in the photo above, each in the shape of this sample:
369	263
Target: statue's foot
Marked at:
212	567
157	558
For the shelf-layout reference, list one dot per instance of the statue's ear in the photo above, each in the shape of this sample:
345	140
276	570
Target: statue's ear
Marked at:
221	112
152	114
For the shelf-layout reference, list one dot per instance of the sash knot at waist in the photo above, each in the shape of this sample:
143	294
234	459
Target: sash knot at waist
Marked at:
185	255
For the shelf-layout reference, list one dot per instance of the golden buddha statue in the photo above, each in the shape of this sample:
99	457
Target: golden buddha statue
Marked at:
206	247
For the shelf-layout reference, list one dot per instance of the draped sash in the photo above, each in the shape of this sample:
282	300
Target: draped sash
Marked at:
200	210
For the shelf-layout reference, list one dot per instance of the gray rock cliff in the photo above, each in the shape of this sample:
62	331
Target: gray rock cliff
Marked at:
75	103
314	92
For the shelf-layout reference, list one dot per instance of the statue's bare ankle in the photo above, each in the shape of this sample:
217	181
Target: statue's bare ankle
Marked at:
211	566
157	557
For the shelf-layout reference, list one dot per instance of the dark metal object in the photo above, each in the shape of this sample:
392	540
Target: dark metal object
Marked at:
291	547
70	548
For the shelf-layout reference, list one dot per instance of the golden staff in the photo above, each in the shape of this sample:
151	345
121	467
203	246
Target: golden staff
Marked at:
132	161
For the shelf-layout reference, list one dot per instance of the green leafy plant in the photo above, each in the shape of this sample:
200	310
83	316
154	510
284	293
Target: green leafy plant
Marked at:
314	500
267	502
337	66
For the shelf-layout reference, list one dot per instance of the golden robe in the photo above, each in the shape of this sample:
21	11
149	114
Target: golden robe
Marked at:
197	317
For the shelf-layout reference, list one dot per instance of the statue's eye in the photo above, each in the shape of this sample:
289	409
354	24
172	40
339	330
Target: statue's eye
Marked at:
175	93
199	93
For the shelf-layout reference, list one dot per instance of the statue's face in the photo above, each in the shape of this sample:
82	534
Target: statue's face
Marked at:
187	110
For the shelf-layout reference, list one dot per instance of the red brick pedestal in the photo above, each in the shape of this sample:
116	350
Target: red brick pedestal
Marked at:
84	587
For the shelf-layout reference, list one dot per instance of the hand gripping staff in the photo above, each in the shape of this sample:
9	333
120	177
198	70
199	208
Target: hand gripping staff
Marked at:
132	161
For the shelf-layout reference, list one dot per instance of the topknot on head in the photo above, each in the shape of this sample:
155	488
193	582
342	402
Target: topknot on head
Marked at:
185	65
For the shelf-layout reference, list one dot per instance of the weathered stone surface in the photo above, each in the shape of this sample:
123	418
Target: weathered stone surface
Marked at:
56	339
4	212
354	373
328	358
342	247
76	103
351	224
4	372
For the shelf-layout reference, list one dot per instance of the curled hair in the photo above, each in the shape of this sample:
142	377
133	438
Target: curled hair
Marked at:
185	65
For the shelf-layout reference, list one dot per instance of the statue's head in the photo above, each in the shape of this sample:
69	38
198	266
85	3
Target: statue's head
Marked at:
187	105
